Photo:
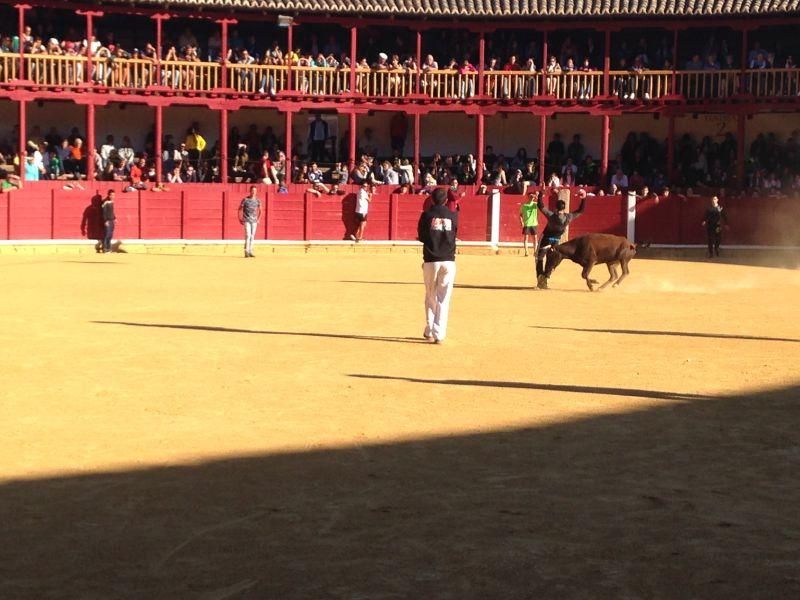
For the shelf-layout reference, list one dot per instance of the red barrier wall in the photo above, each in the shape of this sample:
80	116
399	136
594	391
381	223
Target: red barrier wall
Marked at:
45	210
4	216
30	216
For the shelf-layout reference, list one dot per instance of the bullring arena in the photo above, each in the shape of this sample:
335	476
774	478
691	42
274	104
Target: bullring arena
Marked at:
182	423
202	426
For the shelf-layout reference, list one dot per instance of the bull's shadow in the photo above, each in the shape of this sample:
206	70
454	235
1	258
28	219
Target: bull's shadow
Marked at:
693	498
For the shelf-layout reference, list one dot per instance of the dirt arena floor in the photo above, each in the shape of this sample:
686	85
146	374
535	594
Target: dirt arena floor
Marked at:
188	427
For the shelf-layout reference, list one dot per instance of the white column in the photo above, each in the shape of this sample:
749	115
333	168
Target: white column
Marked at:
495	237
632	216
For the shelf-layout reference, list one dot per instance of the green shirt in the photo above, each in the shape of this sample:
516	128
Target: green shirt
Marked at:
529	214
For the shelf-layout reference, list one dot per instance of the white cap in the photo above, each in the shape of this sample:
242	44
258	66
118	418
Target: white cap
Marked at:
383	56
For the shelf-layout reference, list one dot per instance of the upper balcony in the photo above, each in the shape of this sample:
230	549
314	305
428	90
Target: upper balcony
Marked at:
137	76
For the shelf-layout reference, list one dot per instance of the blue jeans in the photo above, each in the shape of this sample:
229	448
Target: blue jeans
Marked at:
109	226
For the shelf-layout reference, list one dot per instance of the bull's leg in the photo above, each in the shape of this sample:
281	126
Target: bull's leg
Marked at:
612	272
624	262
587	270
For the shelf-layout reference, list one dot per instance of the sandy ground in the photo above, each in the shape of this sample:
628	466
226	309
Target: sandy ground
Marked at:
214	427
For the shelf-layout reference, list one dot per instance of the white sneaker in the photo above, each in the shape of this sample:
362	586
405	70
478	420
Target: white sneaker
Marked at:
646	96
353	237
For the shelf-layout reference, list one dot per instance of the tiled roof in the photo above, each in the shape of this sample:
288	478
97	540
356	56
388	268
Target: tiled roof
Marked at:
496	8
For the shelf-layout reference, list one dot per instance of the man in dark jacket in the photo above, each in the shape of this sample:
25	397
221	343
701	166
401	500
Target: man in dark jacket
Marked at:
713	221
109	220
557	223
437	231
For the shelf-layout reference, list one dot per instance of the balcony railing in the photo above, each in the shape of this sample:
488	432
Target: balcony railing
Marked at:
320	81
59	72
773	83
257	79
9	65
190	76
647	85
56	71
386	84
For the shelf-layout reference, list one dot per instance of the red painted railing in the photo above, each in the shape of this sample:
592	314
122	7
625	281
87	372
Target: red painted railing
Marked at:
44	210
60	72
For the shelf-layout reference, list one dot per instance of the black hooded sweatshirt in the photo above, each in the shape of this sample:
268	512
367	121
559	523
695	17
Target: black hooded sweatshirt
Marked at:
437	230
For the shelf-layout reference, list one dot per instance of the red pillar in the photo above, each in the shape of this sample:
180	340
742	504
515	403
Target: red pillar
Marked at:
23	133
743	76
481	62
21	8
89	14
223	145
224	66
674	61
353	58
604	139
159	19
480	143
543	91
159	143
90	142
289	49
418	82
542	148
740	159
607	63
351	158
289	147
417	142
670	148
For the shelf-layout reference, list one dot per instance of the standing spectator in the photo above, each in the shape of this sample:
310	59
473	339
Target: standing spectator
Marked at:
109	220
249	216
437	230
363	198
454	197
713	221
194	145
529	219
106	150
317	135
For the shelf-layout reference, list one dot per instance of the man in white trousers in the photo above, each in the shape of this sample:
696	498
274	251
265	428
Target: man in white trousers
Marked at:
437	231
249	216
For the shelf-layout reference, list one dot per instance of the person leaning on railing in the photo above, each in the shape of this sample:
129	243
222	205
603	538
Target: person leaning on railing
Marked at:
509	81
429	83
586	89
466	76
553	71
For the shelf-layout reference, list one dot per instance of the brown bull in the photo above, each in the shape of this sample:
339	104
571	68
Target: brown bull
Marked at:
593	249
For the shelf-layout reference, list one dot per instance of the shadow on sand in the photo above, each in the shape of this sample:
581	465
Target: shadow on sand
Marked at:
341	336
695	499
719	336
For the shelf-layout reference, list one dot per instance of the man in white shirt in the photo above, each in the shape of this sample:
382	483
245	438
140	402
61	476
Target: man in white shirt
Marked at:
620	180
126	151
106	150
363	198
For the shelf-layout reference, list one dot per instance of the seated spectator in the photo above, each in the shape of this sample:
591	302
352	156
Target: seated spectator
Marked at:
619	181
338	174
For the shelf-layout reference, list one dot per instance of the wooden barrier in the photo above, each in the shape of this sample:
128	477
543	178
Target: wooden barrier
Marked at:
44	210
